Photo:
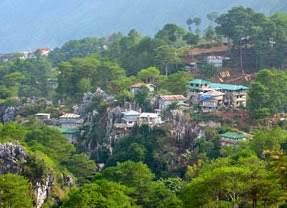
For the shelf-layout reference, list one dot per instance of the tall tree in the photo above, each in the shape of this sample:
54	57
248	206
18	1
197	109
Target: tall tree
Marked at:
267	94
101	193
149	75
166	56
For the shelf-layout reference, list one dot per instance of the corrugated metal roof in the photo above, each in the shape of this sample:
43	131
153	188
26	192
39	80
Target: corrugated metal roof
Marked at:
151	115
172	97
138	85
213	93
228	87
233	135
198	81
130	113
70	115
213	85
68	131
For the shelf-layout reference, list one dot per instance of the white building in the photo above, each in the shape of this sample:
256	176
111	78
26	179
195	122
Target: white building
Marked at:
149	118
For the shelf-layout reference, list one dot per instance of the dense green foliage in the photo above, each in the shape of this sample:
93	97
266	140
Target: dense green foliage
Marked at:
49	154
15	191
259	39
138	177
245	182
100	193
26	78
268	93
146	145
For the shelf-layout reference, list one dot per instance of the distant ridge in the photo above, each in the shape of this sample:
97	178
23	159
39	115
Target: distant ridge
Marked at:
28	25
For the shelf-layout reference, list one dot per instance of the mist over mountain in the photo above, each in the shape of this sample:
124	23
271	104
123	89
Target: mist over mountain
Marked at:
28	25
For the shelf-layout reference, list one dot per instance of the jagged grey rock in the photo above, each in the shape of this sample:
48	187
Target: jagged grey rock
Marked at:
12	158
9	114
42	190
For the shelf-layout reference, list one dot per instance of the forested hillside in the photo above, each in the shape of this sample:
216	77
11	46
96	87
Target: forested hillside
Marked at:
50	23
181	119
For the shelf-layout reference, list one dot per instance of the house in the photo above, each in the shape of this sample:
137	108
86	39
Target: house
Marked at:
71	134
71	120
7	56
119	130
138	86
216	61
130	118
231	138
44	51
43	116
234	95
211	100
28	55
149	119
197	87
165	100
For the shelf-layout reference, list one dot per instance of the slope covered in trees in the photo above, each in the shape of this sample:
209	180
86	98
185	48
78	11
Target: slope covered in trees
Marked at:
181	163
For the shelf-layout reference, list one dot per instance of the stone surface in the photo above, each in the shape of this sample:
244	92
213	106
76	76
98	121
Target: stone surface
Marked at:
9	114
42	190
12	158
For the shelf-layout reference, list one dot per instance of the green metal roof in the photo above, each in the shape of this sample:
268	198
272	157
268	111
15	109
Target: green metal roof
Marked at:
198	81
228	87
68	131
233	135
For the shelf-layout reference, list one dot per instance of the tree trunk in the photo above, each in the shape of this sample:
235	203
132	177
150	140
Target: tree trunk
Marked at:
166	70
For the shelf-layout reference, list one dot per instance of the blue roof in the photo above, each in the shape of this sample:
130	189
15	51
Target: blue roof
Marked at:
206	97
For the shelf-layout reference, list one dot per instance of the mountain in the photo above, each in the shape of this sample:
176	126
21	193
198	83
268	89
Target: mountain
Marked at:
28	25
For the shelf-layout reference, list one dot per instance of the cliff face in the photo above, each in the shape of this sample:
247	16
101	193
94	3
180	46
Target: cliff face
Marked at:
42	190
13	159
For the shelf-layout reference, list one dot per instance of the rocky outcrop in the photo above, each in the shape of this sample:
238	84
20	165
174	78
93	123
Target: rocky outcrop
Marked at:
9	114
42	190
12	158
88	99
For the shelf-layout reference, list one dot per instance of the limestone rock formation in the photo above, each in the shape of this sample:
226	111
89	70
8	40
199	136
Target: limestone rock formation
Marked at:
12	158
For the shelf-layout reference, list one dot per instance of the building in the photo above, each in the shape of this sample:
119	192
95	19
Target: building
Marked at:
165	100
149	119
44	51
71	134
211	100
216	61
71	120
43	116
138	86
130	118
234	95
231	138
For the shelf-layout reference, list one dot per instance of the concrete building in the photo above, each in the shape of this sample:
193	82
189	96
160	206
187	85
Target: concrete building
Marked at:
233	95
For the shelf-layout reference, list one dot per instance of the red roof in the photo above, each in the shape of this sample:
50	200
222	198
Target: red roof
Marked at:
70	115
44	49
172	97
138	85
